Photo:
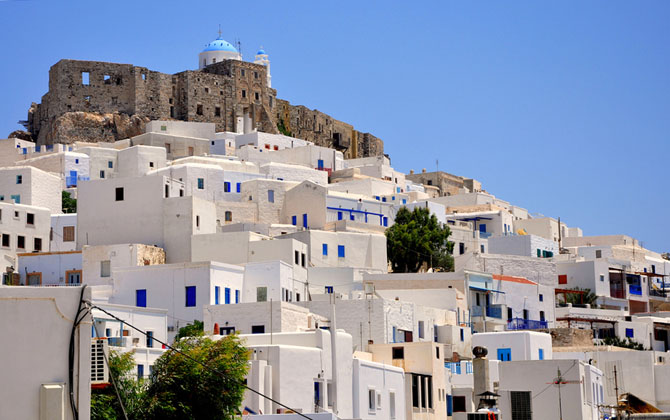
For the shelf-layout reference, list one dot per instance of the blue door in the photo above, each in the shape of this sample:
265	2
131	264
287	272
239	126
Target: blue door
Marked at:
320	163
73	179
482	228
141	298
505	355
304	220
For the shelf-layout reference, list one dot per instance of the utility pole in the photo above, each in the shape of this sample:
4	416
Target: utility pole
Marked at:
616	393
560	404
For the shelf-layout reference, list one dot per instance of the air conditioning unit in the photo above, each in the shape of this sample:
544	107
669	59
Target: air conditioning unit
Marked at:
99	369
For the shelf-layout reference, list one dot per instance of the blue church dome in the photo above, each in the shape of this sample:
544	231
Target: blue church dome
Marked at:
220	44
261	52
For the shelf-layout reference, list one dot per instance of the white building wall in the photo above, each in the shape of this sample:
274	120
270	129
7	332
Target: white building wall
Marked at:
37	187
525	345
39	322
139	160
388	382
58	223
523	245
14	224
102	161
51	267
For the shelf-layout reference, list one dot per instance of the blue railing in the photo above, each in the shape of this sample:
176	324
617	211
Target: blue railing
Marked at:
634	289
71	181
484	235
525	324
491	311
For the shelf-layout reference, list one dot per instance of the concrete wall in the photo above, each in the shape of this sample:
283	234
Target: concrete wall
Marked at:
58	224
525	345
388	384
39	322
523	245
14	224
37	187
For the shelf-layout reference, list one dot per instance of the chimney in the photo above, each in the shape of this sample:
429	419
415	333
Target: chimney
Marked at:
423	171
411	171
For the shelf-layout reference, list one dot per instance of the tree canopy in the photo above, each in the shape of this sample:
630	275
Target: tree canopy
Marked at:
417	238
179	387
69	203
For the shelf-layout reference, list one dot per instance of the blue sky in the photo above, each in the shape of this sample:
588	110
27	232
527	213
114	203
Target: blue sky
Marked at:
559	107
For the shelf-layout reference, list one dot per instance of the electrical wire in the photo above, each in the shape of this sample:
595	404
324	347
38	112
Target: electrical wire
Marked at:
552	384
91	305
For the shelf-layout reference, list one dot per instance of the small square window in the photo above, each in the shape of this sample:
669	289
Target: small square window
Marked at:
398	353
21	242
630	333
201	183
541	297
19	179
37	244
119	194
30	219
110	164
105	268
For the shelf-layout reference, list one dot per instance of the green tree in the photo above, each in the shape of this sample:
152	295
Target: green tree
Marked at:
417	238
69	203
197	329
181	388
586	298
104	402
627	343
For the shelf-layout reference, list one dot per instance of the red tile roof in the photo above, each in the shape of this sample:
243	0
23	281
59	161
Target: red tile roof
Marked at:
513	279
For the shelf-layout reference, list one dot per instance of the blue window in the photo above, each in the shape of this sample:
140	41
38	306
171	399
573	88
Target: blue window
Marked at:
468	367
271	196
541	298
404	201
462	335
76	161
304	220
238	187
482	228
340	251
16	198
19	179
190	295
226	187
201	183
141	298
450	405
319	164
630	333
140	371
457	368
227	296
217	295
541	355
505	355
339	215
384	199
110	164
150	339
294	220
329	290
237	296
351	216
324	249
25	151
393	198
386	221
377	197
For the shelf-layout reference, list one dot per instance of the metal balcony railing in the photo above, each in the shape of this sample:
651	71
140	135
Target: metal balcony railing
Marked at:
525	324
491	311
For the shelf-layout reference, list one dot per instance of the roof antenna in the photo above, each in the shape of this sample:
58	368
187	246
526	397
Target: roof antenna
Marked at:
219	31
239	46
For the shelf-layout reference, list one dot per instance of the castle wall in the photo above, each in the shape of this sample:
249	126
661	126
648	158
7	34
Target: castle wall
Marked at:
97	101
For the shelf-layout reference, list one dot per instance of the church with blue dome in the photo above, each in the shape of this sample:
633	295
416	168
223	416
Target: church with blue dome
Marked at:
217	51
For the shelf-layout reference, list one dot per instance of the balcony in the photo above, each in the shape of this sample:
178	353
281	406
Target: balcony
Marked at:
525	324
117	341
71	181
484	235
494	311
635	289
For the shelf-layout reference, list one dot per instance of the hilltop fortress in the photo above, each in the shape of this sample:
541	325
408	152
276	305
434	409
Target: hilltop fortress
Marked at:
104	102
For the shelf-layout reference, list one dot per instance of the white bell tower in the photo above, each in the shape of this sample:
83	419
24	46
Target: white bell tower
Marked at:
262	59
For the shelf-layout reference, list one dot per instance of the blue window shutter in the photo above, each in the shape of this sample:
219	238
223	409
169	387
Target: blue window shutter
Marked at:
630	333
238	186
482	228
384	199
324	249
294	220
541	354
140	371
271	196
201	183
227	296
339	215
340	251
190	295
386	221
304	220
320	163
351	216
217	294
404	201
141	298
237	296
226	187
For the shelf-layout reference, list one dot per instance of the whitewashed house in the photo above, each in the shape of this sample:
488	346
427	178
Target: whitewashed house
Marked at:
31	186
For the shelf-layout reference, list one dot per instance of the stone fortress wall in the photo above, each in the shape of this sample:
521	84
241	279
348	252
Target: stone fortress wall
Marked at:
104	102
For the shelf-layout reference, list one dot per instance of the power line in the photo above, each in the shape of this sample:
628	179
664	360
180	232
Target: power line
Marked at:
91	305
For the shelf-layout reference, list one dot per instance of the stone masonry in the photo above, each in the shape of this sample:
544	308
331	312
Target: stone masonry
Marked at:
101	102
